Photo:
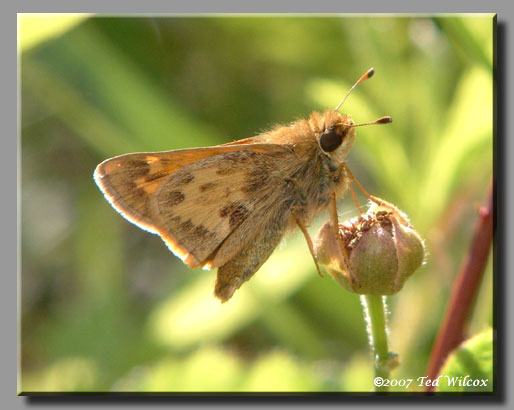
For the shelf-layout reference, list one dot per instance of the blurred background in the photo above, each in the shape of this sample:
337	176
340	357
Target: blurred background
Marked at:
106	307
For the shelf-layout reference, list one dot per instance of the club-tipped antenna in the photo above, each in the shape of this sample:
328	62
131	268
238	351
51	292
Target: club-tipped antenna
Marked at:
365	76
382	120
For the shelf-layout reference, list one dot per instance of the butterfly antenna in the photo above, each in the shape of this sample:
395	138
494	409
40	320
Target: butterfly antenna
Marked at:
365	76
382	120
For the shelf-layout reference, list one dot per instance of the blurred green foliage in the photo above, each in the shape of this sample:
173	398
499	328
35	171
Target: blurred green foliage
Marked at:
469	365
106	307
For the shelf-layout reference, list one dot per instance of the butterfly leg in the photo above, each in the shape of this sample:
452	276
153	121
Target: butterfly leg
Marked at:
352	178
334	220
303	228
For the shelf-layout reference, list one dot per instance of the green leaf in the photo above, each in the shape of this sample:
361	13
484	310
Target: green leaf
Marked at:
469	367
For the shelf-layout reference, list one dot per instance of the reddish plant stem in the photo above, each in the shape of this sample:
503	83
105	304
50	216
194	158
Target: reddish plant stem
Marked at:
465	289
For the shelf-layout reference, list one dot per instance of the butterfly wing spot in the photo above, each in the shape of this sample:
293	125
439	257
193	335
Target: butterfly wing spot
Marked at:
134	168
234	162
255	180
175	197
198	233
236	213
150	182
224	170
154	176
183	178
185	226
209	186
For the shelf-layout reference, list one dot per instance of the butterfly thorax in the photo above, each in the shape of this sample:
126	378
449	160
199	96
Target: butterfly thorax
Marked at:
315	173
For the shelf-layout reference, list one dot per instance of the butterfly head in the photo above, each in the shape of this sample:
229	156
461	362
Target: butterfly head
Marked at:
337	135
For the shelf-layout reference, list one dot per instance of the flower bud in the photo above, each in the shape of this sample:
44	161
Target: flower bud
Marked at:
372	254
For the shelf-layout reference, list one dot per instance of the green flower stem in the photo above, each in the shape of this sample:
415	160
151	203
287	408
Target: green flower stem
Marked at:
375	313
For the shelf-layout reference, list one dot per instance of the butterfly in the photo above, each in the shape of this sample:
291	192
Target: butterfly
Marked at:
229	206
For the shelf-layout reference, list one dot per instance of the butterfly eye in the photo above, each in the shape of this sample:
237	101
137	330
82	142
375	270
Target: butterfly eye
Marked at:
330	140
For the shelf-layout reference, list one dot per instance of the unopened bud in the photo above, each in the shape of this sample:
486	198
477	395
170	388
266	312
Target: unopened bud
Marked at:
372	254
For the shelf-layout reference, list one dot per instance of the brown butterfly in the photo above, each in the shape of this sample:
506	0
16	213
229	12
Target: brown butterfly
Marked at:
229	206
